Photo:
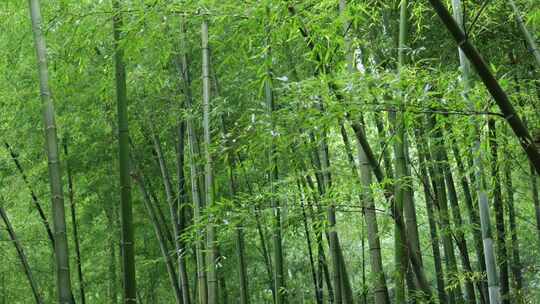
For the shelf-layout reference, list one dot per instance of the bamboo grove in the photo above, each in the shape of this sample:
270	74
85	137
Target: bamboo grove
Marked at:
216	152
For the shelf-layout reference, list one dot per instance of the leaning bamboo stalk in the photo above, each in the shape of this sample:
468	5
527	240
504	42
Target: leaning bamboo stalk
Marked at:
147	201
402	190
402	142
415	257
35	199
239	229
260	229
21	254
341	282
459	234
397	215
318	293
491	83
370	217
316	213
527	35
173	204
368	209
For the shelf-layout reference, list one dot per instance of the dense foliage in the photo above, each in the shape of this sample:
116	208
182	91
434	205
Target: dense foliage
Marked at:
258	145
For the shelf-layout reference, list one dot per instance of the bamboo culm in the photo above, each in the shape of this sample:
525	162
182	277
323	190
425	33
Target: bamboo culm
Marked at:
181	212
527	35
63	279
158	230
430	199
126	212
41	212
477	162
396	214
437	152
498	205
491	83
22	255
209	179
280	295
380	287
173	206
74	223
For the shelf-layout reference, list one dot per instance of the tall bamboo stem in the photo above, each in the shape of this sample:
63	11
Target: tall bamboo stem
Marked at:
55	175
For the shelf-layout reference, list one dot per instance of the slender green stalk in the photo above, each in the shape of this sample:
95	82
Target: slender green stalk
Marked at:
527	35
279	278
55	175
35	199
404	194
516	259
200	287
173	208
260	231
343	276
465	54
317	292
112	292
158	230
397	215
181	212
21	254
194	154
437	150
74	224
474	221
239	230
159	212
502	255
431	202
126	212
491	83
209	177
279	271
323	270
380	289
459	234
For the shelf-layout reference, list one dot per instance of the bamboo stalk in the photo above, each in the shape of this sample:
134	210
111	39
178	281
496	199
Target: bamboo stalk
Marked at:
527	35
74	224
208	170
21	254
491	83
126	212
467	53
55	176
